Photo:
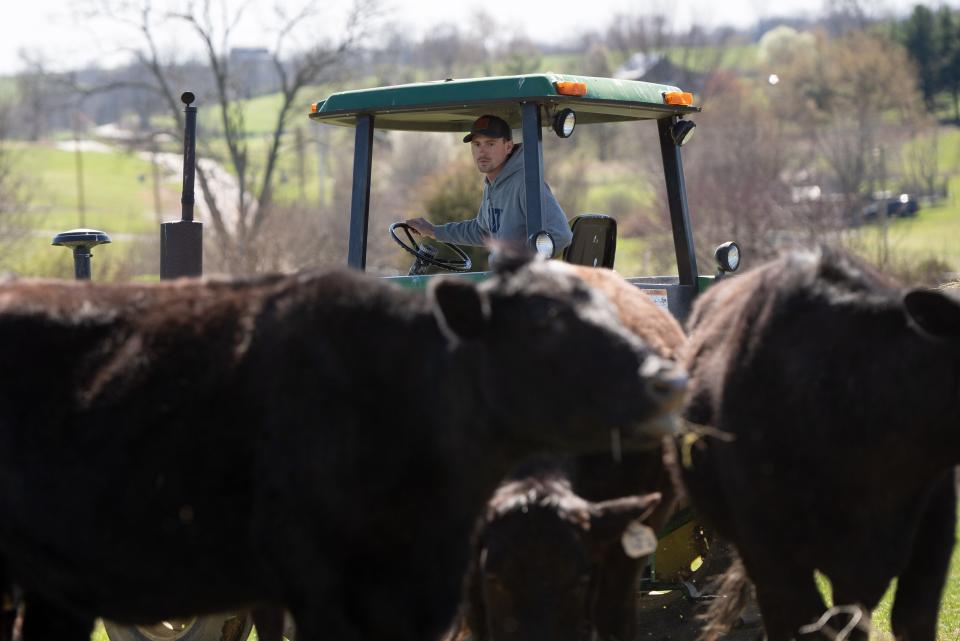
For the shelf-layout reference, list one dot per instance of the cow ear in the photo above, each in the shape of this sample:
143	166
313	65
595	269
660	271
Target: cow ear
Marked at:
462	310
935	312
609	519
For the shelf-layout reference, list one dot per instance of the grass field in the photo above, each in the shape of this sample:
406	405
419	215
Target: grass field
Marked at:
934	234
117	189
118	199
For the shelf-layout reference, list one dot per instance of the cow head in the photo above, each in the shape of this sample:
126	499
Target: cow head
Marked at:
551	360
534	576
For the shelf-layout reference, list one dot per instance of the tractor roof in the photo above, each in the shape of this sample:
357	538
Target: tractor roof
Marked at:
452	105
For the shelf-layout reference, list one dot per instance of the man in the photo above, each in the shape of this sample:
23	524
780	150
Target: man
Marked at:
503	211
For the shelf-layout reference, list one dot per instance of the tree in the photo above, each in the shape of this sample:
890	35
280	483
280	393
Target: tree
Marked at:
445	51
520	55
847	95
628	34
596	62
735	170
38	98
922	159
238	218
14	196
844	16
919	40
948	51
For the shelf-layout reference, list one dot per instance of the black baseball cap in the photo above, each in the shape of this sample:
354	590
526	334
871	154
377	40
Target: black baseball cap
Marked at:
489	126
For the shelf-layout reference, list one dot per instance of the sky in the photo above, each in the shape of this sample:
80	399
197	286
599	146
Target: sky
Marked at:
62	38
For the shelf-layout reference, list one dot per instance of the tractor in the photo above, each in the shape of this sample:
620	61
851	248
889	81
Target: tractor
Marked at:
531	104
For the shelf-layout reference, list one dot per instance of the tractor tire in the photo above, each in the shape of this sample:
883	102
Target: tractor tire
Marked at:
671	615
214	627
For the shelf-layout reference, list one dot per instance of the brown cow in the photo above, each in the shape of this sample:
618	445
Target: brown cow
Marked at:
189	447
610	605
831	395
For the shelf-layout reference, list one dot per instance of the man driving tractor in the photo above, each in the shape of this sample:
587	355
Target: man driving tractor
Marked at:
502	214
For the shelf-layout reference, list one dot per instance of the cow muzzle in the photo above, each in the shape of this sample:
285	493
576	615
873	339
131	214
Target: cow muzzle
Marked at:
665	387
665	383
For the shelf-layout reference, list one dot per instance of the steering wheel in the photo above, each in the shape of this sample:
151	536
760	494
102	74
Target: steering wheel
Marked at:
426	254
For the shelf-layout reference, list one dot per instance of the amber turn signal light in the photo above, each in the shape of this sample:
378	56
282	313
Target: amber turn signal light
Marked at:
570	88
682	98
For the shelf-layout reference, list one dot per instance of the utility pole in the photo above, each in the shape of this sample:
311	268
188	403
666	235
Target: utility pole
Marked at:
78	156
320	134
155	171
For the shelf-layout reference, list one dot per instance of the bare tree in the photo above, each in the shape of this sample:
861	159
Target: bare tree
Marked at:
14	196
922	158
237	217
444	49
646	33
848	95
38	98
520	55
843	16
735	170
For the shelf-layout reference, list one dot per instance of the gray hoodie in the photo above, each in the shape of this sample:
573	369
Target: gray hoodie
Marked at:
503	211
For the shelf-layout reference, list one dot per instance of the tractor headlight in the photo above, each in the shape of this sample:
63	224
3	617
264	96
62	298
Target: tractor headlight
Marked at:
682	131
728	256
543	243
564	122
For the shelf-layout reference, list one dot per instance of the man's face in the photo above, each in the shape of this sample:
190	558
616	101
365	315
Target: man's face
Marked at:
490	153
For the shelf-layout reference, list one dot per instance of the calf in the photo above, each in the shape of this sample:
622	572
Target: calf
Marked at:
537	557
831	395
609	607
180	448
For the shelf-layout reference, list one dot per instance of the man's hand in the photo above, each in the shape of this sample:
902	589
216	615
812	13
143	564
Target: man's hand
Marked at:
422	226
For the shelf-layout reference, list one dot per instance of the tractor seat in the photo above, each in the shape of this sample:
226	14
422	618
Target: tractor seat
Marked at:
594	242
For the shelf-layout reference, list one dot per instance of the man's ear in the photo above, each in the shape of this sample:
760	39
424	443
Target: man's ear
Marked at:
935	312
461	309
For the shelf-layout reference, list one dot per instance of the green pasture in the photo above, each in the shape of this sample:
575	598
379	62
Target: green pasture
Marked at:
932	236
8	88
118	199
934	233
645	256
117	189
127	257
260	113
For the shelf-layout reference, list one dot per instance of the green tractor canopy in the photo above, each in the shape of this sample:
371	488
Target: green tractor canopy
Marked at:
530	103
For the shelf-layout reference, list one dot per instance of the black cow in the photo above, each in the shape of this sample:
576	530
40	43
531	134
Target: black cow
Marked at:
537	557
180	448
9	606
833	399
529	568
